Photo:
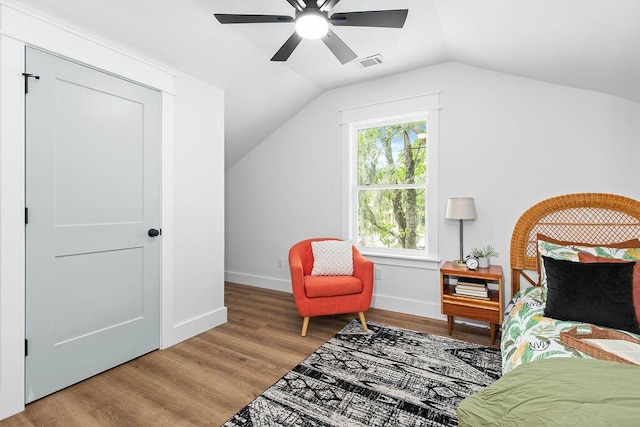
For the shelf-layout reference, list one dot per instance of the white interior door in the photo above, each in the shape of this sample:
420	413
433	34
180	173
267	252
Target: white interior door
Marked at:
93	168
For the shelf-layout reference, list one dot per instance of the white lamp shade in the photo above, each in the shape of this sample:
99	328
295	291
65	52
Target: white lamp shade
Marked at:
461	208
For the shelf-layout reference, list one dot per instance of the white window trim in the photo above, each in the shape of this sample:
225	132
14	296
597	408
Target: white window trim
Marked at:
390	111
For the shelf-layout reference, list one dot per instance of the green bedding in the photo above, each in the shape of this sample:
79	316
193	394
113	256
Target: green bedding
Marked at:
558	391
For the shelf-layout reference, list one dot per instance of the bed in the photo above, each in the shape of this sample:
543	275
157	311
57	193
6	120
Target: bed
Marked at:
553	238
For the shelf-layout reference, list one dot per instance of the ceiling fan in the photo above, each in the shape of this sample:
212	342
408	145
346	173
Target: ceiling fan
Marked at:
312	21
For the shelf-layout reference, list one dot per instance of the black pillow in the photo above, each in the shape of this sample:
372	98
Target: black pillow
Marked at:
599	293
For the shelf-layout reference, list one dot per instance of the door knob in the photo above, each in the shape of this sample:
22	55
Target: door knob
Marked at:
153	232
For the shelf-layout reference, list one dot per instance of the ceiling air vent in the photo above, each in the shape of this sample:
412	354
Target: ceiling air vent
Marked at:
369	61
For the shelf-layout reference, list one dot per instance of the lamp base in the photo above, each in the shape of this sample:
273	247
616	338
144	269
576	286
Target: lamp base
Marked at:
459	263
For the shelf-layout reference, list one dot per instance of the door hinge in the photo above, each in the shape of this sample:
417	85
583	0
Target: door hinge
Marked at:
26	347
26	81
26	215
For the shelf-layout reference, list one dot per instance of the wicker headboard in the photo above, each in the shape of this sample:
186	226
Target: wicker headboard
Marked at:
584	217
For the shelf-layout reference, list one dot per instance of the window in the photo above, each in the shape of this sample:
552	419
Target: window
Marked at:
391	184
391	195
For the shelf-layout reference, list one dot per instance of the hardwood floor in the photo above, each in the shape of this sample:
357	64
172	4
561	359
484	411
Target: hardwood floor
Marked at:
205	380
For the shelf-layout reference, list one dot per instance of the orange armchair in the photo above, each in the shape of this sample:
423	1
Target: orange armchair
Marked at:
325	295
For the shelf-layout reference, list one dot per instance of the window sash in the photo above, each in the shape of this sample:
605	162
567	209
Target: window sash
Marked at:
375	234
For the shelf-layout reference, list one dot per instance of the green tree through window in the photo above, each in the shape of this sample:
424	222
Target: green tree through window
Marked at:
392	185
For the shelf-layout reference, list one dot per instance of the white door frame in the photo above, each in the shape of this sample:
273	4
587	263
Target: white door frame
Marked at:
19	28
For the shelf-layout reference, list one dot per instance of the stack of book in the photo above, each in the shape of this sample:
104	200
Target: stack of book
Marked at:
471	288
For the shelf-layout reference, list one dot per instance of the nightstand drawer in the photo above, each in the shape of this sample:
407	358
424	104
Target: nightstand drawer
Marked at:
481	312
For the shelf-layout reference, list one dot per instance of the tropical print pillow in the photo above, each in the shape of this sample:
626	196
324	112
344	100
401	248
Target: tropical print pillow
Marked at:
630	254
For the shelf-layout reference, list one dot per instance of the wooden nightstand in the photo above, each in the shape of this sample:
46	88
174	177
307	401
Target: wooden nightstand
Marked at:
472	308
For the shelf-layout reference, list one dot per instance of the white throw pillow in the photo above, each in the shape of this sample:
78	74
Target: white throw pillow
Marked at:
332	258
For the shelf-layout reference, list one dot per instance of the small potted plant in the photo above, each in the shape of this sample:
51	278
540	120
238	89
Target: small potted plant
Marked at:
483	255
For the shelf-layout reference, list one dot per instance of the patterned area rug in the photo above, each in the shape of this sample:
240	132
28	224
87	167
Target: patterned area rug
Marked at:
386	377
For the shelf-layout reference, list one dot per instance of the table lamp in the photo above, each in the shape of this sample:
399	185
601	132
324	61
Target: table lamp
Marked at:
460	208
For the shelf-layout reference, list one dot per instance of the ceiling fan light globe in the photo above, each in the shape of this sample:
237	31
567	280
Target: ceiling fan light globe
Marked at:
312	26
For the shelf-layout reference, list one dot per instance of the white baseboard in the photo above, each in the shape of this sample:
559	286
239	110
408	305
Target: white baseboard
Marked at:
385	302
407	306
258	281
192	327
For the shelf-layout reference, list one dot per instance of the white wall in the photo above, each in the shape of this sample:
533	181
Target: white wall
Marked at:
192	193
505	140
197	209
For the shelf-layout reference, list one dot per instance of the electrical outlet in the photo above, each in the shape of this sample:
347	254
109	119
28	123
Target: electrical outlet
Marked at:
279	262
378	273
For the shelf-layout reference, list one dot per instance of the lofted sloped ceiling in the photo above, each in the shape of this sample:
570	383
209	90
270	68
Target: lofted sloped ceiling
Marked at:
588	44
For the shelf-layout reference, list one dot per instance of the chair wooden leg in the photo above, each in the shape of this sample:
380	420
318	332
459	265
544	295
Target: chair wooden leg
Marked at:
305	326
363	321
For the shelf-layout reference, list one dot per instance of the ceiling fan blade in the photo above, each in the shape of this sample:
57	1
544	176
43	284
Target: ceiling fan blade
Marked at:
296	4
328	5
372	18
225	18
339	48
287	48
